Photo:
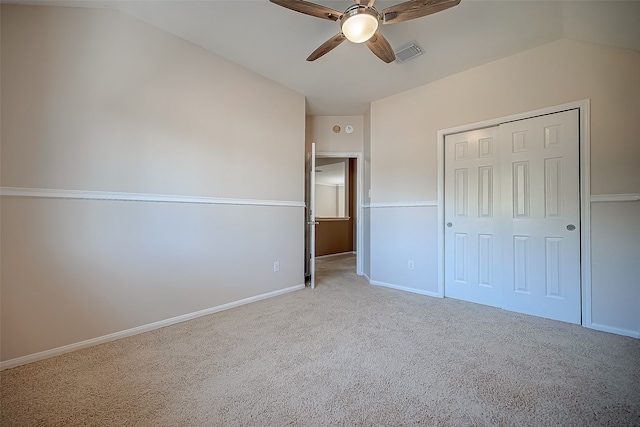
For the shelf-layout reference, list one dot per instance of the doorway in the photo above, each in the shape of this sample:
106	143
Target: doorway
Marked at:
336	214
340	232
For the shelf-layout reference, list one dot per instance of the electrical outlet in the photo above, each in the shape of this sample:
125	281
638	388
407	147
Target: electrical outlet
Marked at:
410	264
276	266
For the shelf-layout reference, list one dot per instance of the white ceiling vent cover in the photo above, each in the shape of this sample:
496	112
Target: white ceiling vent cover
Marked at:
408	52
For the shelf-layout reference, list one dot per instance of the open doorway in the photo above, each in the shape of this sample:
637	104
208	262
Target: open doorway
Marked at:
335	206
338	206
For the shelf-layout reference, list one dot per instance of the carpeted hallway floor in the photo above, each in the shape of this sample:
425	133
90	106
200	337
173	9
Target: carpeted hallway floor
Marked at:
346	353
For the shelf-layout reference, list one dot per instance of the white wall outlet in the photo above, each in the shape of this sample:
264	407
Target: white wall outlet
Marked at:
276	266
410	264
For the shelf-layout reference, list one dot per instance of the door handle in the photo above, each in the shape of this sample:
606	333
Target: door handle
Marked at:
313	223
571	227
449	225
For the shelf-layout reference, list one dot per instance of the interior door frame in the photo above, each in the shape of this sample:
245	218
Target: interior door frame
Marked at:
584	147
359	185
311	217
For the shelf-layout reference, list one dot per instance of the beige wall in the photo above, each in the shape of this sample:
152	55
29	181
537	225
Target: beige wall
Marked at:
95	100
320	130
404	156
404	126
327	197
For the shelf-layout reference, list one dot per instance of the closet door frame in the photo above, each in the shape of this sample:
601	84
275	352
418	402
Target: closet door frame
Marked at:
583	107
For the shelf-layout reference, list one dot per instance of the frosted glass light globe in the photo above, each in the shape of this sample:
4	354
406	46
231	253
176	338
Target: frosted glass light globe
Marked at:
360	26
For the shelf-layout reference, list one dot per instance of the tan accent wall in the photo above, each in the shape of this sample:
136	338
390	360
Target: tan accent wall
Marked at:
334	236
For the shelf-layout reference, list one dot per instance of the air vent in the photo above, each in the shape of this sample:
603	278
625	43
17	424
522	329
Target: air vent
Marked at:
408	52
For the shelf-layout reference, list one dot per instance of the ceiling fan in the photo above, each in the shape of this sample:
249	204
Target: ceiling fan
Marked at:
359	23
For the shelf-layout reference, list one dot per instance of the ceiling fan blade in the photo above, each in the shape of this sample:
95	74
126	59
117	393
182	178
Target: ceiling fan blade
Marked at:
309	9
365	2
381	47
413	9
327	46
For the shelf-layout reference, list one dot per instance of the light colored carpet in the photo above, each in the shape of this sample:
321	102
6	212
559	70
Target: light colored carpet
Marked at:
346	353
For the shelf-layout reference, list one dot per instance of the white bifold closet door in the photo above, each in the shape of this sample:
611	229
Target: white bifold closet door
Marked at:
512	216
472	215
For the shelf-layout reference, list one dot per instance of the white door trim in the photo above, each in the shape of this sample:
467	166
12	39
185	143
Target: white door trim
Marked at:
312	217
359	184
583	107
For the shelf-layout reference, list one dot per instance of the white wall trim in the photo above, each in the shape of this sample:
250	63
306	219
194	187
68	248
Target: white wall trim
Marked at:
514	117
48	193
629	197
403	288
337	154
584	145
422	204
618	331
584	108
12	363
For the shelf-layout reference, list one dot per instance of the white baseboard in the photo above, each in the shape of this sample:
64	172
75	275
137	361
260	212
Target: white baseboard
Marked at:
23	360
338	254
613	330
366	277
402	288
422	204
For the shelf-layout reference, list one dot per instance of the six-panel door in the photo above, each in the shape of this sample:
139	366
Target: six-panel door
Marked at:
541	225
512	232
472	212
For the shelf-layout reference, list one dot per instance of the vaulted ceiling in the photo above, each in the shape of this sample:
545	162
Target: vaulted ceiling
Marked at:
274	41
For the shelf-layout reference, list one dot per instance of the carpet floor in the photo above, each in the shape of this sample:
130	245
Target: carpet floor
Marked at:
346	353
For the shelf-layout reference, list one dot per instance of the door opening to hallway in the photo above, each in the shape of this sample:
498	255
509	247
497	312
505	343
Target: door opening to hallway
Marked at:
336	208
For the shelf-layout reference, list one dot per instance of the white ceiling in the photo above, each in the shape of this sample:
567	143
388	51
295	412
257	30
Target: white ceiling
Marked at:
274	41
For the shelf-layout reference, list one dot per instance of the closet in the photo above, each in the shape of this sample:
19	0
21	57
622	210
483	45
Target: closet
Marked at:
512	216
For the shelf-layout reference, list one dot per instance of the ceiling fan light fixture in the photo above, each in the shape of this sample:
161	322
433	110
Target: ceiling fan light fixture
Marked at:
359	23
